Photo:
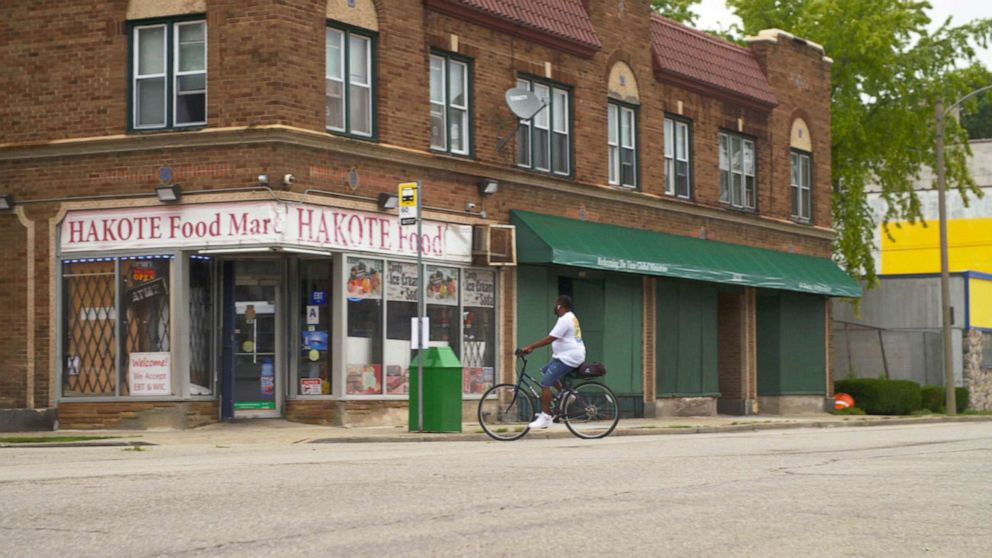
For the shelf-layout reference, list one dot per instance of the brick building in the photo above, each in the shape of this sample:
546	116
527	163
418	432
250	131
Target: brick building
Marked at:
676	185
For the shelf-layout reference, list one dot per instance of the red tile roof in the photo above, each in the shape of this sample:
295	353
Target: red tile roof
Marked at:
688	54
559	20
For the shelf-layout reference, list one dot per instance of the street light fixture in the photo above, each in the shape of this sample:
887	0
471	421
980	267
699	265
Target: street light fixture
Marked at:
950	401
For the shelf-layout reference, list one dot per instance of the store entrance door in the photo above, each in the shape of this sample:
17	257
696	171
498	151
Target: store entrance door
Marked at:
254	313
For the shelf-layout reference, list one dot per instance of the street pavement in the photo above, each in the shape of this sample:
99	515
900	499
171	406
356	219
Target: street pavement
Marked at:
889	490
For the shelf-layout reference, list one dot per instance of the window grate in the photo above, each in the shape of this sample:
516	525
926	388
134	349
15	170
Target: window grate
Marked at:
89	332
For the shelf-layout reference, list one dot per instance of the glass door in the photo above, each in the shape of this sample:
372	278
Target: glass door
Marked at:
256	340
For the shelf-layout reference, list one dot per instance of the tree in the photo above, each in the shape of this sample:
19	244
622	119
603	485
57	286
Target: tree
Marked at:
888	73
979	122
679	10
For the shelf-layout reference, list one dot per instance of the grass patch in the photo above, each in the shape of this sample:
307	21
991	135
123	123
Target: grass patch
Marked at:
849	411
973	412
51	439
679	426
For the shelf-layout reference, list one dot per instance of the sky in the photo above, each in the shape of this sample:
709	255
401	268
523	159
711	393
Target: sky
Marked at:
713	14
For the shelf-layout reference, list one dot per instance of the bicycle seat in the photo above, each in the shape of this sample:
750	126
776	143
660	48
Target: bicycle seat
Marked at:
589	370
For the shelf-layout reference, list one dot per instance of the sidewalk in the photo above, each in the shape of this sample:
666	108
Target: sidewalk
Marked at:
281	432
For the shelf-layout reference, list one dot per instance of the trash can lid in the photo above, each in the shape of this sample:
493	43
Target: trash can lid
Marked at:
437	357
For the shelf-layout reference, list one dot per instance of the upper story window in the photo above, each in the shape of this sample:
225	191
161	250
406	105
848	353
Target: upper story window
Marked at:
802	203
678	157
350	100
169	74
802	171
737	184
622	144
450	104
544	143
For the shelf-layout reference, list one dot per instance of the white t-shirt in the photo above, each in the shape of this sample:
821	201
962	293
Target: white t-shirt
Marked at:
568	346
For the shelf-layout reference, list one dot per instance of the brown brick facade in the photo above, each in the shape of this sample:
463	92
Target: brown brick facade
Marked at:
66	135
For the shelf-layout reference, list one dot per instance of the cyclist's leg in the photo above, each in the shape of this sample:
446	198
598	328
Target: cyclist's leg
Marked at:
554	372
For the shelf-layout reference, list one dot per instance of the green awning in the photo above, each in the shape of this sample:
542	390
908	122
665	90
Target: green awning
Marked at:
546	239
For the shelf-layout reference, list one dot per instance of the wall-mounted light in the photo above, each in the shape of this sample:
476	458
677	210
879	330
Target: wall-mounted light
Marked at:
170	193
6	202
388	201
263	179
488	187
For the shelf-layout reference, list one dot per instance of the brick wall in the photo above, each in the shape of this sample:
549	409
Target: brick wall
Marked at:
137	414
13	286
730	342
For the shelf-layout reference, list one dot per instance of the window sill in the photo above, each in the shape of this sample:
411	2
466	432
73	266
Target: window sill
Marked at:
372	138
166	130
461	156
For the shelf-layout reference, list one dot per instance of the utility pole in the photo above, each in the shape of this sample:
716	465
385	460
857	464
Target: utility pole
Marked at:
950	401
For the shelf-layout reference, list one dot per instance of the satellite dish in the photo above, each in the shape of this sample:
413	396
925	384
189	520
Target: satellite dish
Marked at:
523	102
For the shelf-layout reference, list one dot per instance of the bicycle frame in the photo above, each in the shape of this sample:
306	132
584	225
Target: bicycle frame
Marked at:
535	388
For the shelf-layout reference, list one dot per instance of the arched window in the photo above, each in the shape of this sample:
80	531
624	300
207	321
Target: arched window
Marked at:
349	76
622	107
801	154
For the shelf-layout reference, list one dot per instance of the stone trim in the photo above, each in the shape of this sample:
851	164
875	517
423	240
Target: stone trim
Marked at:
298	137
29	342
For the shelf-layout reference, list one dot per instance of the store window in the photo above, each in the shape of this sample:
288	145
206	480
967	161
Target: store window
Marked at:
678	153
442	307
544	142
169	74
401	307
202	342
363	373
450	96
116	328
314	359
478	354
737	182
349	82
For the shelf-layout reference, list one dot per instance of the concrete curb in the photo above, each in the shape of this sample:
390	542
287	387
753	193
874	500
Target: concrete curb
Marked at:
659	431
93	444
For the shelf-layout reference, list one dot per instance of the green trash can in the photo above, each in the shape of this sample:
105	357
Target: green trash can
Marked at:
442	391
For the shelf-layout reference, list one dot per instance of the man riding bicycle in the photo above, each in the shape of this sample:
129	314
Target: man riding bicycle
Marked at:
567	353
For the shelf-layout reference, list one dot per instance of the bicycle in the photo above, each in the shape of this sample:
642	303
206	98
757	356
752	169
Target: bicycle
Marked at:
589	409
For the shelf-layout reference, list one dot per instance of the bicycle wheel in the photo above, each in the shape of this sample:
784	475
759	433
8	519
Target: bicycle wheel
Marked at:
505	411
590	410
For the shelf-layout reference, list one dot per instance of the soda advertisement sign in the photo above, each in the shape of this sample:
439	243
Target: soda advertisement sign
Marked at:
260	224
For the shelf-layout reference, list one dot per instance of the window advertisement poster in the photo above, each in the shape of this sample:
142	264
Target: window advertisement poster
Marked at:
397	380
364	279
311	386
364	379
401	282
477	380
479	288
150	373
442	285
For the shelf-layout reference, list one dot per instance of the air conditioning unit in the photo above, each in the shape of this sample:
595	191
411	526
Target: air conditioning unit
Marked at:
494	245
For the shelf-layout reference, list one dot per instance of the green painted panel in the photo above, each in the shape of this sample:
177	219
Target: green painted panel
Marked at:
803	350
687	338
535	299
624	334
589	301
769	355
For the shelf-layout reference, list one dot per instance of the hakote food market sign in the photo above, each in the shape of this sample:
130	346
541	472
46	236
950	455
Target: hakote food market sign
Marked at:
259	224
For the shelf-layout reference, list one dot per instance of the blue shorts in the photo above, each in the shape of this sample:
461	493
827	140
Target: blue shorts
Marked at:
554	371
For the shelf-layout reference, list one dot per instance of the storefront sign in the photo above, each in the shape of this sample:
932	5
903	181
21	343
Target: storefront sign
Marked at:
442	285
401	282
150	374
262	224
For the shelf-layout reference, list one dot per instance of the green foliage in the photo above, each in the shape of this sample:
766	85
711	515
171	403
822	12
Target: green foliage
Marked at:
679	10
849	411
883	397
888	73
934	398
979	122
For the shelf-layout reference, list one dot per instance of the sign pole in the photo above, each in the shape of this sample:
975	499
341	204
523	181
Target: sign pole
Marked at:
420	311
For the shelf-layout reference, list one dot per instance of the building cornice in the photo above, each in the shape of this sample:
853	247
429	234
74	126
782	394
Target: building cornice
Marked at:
393	154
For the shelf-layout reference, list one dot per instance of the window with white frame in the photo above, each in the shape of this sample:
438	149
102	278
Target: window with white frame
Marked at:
449	78
737	182
802	203
622	145
169	74
544	142
678	153
349	104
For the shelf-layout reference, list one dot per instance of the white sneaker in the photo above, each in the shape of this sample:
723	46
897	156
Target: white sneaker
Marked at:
543	420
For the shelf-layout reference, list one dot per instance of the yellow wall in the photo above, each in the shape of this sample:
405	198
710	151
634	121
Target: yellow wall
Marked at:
916	249
980	296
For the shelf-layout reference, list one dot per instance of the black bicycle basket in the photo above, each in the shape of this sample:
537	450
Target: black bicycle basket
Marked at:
590	370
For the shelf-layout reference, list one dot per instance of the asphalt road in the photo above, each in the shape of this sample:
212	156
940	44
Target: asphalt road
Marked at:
922	490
